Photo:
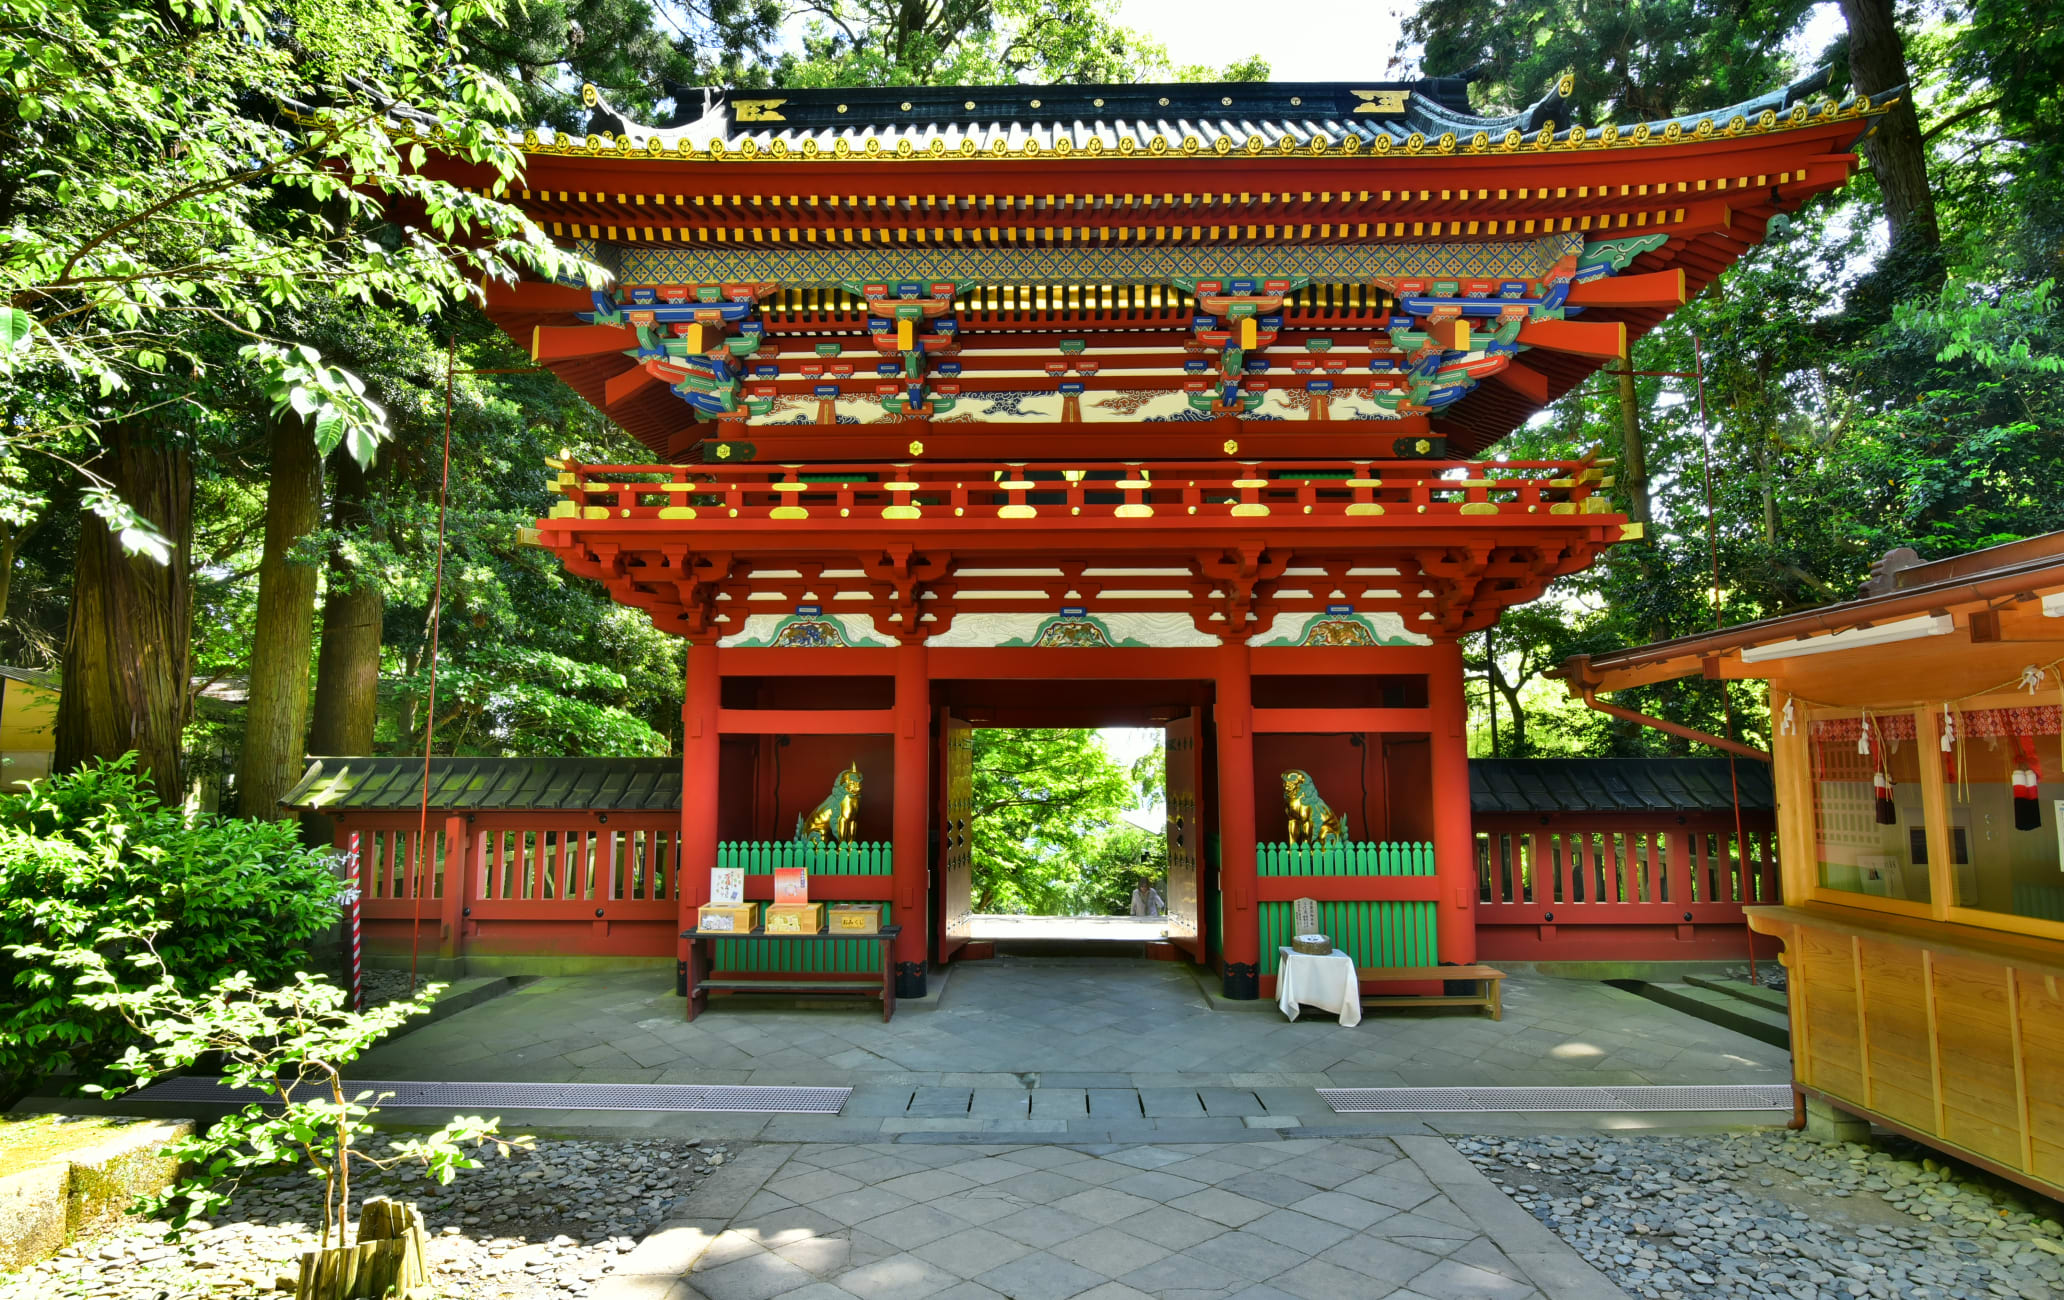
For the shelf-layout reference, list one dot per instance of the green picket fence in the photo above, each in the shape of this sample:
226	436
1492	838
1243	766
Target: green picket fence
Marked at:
1374	934
817	957
1387	859
761	857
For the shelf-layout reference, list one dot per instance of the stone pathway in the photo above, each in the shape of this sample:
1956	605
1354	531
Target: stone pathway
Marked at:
1082	1023
1352	1219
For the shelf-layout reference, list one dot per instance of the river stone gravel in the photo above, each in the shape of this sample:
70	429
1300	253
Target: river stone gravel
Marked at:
543	1224
1781	1214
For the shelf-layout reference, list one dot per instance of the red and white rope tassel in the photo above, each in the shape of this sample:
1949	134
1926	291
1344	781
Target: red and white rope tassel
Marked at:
355	912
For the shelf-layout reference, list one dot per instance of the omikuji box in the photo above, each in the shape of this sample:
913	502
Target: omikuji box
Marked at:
737	918
795	918
855	918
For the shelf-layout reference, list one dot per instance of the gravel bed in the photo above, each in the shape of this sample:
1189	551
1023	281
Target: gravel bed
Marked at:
544	1224
389	985
1781	1214
1768	973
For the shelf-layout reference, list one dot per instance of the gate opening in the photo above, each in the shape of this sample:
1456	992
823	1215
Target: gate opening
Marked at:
1070	841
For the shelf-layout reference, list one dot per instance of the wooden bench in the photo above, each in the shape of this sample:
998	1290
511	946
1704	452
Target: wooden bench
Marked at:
1486	980
702	959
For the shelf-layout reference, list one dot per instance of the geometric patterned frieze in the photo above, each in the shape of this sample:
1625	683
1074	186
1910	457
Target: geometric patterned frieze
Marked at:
1322	263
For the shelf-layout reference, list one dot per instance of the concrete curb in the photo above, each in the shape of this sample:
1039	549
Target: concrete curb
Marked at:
1557	1269
47	1205
658	1268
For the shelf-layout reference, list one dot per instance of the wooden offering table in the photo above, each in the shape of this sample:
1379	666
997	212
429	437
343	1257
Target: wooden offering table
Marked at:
702	959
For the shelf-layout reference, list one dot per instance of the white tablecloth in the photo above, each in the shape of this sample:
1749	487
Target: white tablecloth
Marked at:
1326	982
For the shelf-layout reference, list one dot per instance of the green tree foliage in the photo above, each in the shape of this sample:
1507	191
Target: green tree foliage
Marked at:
1630	61
287	1042
530	659
94	854
1041	799
178	176
1115	861
981	42
1858	396
549	47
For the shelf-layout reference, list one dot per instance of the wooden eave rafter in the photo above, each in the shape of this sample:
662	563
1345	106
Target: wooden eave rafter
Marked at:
1712	199
973	570
917	194
1718	653
915	543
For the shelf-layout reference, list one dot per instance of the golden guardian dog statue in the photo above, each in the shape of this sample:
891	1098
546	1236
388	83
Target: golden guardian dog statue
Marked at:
837	819
1311	821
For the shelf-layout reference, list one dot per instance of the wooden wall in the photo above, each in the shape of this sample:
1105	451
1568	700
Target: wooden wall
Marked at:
1944	1031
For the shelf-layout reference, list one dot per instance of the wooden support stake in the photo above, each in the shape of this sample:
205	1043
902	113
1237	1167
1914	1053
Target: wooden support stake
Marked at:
390	1259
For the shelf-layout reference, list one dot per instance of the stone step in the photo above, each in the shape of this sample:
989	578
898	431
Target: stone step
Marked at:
1722	1009
1768	998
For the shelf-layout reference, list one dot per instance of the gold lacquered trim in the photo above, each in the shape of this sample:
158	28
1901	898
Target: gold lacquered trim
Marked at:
1611	137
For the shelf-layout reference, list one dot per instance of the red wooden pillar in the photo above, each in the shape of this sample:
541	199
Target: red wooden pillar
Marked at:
1453	838
910	850
455	893
1241	939
701	752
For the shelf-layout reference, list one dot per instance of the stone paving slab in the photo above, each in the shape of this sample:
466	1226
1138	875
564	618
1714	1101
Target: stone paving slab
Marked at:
1310	1219
1066	1024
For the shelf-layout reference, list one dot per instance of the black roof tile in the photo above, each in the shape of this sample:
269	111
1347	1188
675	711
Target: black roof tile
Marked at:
1510	785
1619	785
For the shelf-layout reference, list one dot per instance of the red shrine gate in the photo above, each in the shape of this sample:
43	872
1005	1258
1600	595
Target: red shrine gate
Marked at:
1329	594
1112	403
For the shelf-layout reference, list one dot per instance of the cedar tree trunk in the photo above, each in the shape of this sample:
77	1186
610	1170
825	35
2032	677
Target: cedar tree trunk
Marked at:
129	645
347	670
1897	154
1633	473
277	719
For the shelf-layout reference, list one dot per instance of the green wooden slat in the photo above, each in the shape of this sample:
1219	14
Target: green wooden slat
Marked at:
1360	859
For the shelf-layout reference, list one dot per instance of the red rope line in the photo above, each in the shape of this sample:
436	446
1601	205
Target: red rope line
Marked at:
1741	839
430	709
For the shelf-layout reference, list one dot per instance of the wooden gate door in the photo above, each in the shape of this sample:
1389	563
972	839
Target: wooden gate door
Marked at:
956	832
1185	835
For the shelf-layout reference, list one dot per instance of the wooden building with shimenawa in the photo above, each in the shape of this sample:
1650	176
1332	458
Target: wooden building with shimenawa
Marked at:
1108	405
1919	770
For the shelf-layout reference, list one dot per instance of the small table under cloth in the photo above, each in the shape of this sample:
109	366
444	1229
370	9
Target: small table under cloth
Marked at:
1328	983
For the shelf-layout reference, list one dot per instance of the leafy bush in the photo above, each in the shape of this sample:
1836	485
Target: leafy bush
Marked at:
89	858
290	1042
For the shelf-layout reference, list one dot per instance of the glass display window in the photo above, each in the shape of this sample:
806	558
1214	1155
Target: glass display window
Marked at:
2004	779
1869	815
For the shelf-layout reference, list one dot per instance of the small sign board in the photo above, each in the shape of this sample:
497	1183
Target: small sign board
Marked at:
727	885
791	884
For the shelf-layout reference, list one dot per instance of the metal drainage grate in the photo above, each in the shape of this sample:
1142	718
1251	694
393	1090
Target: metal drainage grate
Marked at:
531	1096
1731	1096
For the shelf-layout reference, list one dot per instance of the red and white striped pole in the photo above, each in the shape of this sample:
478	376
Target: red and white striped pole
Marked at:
355	907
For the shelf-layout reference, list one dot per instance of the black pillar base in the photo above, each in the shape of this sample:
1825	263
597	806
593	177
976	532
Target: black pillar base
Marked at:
680	979
910	979
1458	988
1242	981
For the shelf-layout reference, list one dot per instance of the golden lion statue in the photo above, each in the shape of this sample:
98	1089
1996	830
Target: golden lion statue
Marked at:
837	819
1311	821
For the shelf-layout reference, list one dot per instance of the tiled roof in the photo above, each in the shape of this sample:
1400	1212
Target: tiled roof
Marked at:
1617	785
1203	118
489	784
649	784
